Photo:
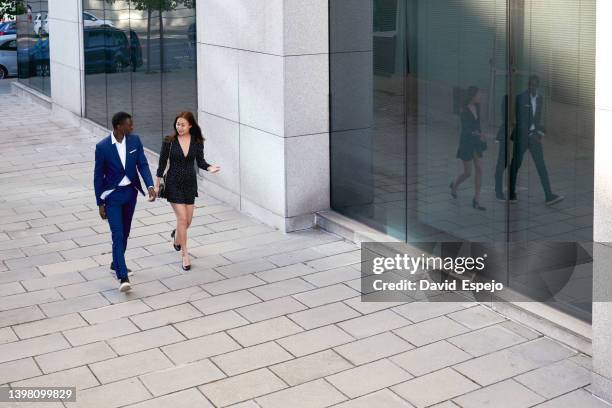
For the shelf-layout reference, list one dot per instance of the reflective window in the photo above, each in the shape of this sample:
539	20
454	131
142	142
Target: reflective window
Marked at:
33	47
468	120
140	60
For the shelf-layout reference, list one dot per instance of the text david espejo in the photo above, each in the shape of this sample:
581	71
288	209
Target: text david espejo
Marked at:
411	264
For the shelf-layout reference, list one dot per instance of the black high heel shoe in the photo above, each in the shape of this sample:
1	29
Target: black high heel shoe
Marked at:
453	191
476	205
185	267
176	247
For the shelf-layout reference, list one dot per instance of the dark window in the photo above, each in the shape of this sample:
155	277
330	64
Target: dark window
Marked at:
9	46
95	38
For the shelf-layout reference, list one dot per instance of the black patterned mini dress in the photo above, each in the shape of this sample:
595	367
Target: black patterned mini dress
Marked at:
181	179
470	144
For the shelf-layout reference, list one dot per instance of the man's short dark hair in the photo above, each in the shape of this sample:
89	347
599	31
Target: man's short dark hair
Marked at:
119	118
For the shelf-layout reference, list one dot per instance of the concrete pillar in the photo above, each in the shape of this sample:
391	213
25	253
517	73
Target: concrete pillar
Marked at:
602	279
263	89
66	57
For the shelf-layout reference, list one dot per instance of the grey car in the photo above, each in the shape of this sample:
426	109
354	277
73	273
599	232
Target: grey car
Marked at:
8	55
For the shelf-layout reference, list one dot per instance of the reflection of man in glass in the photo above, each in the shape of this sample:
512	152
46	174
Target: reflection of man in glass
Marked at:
528	134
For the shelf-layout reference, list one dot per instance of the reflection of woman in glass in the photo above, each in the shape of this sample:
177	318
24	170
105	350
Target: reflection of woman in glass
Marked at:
184	148
471	146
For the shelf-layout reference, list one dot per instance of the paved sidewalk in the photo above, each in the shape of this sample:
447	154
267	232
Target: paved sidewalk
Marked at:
263	319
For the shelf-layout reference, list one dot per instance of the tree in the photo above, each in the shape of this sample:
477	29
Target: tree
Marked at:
160	6
12	8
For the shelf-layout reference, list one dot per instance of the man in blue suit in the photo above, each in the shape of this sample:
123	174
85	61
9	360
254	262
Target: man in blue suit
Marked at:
119	158
528	135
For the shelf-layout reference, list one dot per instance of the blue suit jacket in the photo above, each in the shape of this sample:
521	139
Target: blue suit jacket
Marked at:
525	117
108	171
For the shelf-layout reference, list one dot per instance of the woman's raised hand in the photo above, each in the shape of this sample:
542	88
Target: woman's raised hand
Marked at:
213	168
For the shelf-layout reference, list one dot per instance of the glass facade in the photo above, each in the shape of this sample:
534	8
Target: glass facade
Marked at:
33	47
141	61
469	121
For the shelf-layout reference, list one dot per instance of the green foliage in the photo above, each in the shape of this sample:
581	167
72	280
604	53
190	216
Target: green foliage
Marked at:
12	8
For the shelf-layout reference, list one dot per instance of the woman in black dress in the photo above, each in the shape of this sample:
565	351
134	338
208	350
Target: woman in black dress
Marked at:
471	145
183	149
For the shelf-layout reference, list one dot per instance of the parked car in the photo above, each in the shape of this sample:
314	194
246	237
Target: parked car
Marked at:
108	49
8	56
8	28
33	57
41	24
89	20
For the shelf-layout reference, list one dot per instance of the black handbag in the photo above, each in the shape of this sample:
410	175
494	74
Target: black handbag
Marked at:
162	185
483	146
162	188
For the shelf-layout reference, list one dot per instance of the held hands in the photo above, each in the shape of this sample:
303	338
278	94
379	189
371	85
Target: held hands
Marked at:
102	211
482	136
157	186
152	194
213	168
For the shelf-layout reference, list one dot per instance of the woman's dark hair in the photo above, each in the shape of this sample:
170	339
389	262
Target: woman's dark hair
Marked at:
195	130
470	94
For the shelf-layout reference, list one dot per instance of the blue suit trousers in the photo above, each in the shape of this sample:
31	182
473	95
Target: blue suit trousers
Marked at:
120	206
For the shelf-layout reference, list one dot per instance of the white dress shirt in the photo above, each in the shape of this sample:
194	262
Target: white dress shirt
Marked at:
121	149
534	106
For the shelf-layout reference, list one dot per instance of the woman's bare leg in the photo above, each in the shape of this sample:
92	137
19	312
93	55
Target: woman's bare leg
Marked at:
188	218
467	172
180	210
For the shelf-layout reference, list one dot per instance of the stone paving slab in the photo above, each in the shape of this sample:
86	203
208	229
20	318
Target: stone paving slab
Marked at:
264	319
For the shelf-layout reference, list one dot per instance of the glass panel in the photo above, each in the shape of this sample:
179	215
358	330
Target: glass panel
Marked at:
457	68
44	66
414	86
147	78
179	92
24	41
94	46
554	92
38	52
118	56
401	126
33	47
368	121
124	43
